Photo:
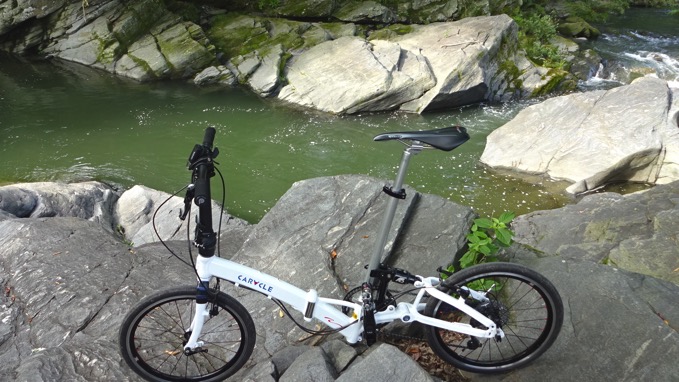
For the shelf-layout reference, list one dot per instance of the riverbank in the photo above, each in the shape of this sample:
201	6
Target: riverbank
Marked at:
350	66
88	125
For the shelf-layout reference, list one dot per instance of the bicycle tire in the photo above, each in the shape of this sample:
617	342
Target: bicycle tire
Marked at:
523	303
153	335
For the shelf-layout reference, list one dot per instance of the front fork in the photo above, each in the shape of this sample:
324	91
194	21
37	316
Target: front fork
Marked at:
202	312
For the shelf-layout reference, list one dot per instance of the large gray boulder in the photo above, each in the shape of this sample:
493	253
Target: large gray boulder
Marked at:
436	66
351	75
14	13
88	200
141	39
473	60
630	133
615	261
135	211
59	274
636	232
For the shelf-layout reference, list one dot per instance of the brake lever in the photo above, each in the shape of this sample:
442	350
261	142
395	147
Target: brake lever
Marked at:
188	198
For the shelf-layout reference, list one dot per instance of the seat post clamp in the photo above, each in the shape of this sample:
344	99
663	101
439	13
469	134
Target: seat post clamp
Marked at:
398	195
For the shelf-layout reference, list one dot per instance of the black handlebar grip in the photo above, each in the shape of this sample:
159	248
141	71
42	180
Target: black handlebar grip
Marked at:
209	137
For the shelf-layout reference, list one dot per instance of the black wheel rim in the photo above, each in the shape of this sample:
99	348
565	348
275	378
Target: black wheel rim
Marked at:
157	338
527	323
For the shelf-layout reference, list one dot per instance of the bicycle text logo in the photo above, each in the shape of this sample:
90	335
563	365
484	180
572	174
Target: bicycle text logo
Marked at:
256	283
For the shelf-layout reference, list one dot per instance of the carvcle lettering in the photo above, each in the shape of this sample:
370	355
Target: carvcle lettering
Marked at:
256	283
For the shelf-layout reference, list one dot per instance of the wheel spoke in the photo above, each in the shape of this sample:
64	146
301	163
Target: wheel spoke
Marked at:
521	302
153	337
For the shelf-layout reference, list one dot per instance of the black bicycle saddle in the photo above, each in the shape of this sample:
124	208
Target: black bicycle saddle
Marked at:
445	139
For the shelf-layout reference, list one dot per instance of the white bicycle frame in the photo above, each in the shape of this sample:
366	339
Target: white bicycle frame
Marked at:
328	310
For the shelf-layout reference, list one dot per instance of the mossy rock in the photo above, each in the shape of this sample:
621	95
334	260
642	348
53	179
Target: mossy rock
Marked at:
237	35
338	30
508	7
366	12
185	55
304	8
391	32
425	12
473	8
315	35
560	81
137	20
577	27
285	33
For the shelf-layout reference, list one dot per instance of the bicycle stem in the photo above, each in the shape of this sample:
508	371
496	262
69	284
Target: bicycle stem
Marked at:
396	191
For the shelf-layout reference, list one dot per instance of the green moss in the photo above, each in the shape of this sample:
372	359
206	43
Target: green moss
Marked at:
281	68
608	261
577	27
335	29
109	49
512	73
559	80
599	231
390	32
143	16
290	38
143	64
237	35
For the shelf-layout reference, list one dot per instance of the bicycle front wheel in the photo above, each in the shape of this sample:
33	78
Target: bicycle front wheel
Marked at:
153	335
523	303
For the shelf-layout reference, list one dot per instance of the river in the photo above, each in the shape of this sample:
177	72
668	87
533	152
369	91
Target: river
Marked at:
65	122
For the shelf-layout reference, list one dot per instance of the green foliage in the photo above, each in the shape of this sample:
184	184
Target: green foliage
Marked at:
535	35
268	4
539	27
484	241
596	10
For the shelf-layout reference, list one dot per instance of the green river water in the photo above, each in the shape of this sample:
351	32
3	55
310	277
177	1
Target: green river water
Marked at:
65	122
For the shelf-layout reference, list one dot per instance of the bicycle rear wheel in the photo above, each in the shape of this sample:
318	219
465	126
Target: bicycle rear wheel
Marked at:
523	303
153	335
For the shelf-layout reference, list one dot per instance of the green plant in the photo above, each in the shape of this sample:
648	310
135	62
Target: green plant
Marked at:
596	10
536	33
267	4
484	241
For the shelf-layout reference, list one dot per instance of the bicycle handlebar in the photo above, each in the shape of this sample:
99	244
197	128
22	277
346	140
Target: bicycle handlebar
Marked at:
209	137
201	163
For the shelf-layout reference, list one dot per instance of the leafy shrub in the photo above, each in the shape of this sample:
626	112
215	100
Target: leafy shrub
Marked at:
535	35
484	241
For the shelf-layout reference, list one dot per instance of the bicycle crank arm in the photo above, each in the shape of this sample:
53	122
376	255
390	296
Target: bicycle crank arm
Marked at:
189	351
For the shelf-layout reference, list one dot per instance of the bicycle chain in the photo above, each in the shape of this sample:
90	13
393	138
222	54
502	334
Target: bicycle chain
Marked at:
383	334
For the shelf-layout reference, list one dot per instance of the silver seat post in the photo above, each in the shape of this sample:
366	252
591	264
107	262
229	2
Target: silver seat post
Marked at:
380	243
